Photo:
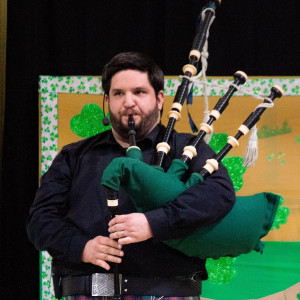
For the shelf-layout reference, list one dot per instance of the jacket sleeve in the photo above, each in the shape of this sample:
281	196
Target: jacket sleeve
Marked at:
200	205
47	224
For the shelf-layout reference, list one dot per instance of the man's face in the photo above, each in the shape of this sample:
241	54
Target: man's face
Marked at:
132	93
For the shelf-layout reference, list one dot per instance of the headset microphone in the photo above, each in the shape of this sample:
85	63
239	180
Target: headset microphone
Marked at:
105	120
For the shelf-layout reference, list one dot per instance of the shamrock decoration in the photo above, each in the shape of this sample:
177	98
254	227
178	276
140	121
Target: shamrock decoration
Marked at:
234	164
281	216
89	122
221	270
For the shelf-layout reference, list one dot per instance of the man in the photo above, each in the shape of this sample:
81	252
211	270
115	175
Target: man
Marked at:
69	217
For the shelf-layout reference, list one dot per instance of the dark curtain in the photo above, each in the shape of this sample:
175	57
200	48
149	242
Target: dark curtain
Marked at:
75	37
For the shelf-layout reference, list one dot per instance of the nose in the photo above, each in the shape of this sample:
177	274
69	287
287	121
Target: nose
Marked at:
129	100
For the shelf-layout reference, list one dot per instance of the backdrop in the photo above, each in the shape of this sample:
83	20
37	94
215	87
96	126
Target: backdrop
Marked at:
77	38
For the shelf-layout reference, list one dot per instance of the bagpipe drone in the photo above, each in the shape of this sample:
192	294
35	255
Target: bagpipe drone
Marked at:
251	217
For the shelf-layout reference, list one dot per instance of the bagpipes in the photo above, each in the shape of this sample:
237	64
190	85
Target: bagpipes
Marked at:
238	232
251	217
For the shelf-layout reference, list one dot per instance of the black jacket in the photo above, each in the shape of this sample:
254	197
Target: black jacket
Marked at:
70	208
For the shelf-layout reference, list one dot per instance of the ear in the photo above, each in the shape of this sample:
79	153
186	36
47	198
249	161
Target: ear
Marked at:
160	99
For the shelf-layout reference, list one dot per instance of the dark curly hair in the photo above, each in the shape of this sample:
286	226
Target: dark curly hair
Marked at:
133	61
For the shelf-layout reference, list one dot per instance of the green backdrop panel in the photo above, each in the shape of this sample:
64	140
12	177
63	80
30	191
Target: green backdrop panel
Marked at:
259	275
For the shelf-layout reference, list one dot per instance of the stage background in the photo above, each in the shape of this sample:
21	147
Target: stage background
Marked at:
77	38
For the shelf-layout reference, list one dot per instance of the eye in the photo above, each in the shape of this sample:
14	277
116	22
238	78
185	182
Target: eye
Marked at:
139	92
118	93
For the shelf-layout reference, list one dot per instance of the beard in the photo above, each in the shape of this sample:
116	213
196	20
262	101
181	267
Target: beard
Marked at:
146	123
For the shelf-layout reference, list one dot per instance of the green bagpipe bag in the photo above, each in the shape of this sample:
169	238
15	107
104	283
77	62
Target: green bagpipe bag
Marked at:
150	187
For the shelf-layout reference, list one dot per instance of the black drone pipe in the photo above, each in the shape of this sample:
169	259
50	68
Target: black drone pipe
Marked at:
189	70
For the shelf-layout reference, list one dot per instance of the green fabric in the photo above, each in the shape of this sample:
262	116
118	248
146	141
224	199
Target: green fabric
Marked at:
134	152
239	232
194	178
142	182
177	168
258	275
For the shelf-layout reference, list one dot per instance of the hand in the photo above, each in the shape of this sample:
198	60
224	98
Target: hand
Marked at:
100	250
131	228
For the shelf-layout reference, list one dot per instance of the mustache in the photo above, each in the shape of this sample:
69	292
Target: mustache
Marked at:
129	112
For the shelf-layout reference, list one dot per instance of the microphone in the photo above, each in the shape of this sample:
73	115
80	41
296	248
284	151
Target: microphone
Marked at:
105	120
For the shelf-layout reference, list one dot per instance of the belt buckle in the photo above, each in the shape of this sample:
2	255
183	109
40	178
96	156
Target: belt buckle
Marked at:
103	284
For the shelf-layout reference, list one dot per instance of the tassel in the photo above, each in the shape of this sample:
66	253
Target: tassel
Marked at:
251	153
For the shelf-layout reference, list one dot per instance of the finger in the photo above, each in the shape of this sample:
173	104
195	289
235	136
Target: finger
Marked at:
101	263
118	234
118	219
127	240
114	221
110	258
106	241
116	227
109	250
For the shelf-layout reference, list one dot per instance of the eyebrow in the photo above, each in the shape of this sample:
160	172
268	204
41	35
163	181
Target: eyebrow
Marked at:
116	90
135	89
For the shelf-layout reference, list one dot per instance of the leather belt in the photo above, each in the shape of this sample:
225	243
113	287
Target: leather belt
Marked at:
102	284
